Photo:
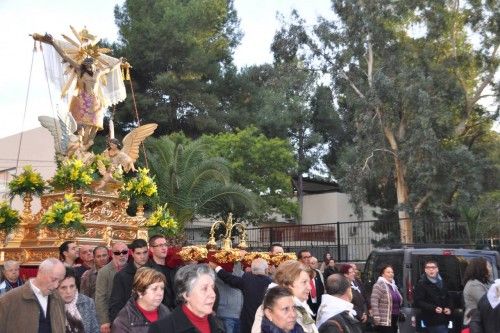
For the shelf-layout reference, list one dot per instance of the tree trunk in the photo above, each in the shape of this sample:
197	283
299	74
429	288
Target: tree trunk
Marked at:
405	222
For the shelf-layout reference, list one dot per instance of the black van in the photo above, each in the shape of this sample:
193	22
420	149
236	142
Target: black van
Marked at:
408	267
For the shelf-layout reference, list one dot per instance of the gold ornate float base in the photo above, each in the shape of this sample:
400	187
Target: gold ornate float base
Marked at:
105	218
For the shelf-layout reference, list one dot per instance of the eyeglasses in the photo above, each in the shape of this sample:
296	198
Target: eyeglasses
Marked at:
117	253
160	245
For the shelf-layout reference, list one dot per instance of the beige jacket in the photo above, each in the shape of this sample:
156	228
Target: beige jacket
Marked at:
103	287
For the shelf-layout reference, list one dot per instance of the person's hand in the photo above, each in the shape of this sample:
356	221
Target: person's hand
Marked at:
439	310
105	328
447	311
212	265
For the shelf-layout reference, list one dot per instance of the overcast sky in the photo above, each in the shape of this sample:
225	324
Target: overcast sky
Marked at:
19	18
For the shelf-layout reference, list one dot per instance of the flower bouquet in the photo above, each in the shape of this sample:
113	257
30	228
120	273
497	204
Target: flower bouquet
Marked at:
72	174
142	186
162	222
277	259
9	218
64	214
28	182
193	253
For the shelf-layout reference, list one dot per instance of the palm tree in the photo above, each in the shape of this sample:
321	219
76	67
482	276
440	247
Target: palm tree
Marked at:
191	182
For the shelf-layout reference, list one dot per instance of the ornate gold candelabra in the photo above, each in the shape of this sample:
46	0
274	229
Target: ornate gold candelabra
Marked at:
226	241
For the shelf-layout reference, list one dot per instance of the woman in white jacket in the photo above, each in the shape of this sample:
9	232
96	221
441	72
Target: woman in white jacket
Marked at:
294	276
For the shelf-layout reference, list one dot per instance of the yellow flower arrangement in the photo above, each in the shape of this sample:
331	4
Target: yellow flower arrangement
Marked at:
72	173
142	186
161	221
28	181
9	218
64	214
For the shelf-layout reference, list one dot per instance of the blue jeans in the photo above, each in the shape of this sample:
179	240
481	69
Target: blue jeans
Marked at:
437	329
232	325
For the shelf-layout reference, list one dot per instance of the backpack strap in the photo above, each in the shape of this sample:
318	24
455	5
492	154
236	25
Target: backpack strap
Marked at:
336	323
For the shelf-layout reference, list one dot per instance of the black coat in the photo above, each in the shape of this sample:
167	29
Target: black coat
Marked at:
428	296
320	290
130	319
253	287
359	301
178	322
341	323
122	288
169	296
485	319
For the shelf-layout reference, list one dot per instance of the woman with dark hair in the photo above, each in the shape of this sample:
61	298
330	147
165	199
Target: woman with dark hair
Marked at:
144	307
358	300
326	260
279	312
195	291
80	309
386	301
477	278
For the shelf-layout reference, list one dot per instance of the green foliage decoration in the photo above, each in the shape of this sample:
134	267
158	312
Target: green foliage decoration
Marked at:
64	214
9	218
29	181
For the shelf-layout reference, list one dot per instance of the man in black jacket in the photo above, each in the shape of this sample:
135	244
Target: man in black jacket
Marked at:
123	280
316	282
253	286
159	249
431	297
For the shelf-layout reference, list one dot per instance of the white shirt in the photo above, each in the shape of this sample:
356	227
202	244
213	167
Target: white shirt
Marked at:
43	300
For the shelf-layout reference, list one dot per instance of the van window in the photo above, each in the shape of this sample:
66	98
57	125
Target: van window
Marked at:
376	260
451	269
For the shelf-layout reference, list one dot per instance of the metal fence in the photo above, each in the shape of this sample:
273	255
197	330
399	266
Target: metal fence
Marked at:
347	241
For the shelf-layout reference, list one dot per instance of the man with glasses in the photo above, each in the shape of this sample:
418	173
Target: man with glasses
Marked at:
159	250
104	284
431	297
316	282
123	280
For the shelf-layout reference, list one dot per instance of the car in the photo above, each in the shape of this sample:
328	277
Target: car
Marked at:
408	265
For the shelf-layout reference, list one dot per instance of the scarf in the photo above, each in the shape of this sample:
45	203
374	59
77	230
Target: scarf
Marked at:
493	294
437	281
355	287
392	284
74	322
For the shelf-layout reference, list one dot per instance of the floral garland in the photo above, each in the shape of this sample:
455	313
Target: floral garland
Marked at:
142	186
193	253
72	174
9	218
64	214
251	256
161	221
28	181
227	256
277	259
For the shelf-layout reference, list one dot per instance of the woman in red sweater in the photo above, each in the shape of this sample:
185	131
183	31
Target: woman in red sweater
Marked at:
144	307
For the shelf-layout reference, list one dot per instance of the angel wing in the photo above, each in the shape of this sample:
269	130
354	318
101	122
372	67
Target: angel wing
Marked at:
61	130
132	141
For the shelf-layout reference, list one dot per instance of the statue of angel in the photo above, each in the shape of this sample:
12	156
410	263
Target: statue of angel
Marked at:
125	157
92	79
107	183
67	141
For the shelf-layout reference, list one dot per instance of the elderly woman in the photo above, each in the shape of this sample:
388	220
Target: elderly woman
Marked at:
358	300
11	277
80	309
295	276
279	312
144	307
386	301
194	285
477	278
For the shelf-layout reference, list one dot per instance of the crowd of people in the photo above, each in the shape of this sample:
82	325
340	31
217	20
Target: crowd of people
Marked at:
131	288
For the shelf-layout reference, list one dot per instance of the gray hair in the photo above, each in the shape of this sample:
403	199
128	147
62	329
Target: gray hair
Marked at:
259	266
337	284
48	265
10	263
186	277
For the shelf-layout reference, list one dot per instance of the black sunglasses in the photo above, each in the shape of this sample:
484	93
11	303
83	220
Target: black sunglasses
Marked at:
117	253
